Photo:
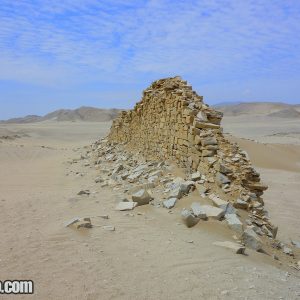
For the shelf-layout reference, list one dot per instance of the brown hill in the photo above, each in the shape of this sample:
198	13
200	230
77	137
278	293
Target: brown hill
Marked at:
257	108
88	114
286	113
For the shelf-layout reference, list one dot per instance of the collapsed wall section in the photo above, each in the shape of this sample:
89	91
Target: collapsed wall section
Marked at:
172	122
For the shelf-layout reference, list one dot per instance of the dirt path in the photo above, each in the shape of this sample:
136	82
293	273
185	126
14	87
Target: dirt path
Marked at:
149	256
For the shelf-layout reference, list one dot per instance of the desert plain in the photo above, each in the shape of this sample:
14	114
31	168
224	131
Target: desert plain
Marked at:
151	254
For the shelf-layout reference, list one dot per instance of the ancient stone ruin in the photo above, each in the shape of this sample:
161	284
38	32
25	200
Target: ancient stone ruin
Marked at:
172	126
172	122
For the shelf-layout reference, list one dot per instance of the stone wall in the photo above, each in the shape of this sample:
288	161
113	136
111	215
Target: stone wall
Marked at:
172	122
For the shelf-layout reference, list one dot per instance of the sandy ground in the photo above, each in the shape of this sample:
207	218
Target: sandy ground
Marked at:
149	256
264	129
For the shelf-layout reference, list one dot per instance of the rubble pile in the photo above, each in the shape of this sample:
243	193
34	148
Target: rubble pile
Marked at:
172	122
169	127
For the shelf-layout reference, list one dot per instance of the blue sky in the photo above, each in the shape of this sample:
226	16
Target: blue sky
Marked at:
67	53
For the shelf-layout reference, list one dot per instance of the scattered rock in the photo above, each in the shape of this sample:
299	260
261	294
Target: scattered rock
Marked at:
251	239
80	223
117	169
196	176
99	180
239	203
218	202
295	243
222	179
103	217
288	251
123	206
84	192
198	211
142	197
234	223
109	228
189	218
170	203
213	212
202	190
237	248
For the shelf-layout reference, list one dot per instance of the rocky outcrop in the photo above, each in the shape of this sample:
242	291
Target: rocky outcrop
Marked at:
172	122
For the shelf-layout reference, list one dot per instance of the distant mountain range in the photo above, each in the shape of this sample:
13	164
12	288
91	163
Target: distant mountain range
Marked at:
271	109
92	114
88	114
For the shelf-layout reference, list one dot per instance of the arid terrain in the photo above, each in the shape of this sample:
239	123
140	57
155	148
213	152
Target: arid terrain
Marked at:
150	255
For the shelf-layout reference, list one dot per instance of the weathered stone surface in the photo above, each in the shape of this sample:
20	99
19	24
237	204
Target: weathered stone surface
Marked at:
122	206
218	202
169	203
288	251
213	212
80	223
224	169
234	223
295	243
251	239
239	203
109	228
142	197
237	248
117	169
99	179
211	140
198	211
230	209
189	218
196	176
83	192
222	179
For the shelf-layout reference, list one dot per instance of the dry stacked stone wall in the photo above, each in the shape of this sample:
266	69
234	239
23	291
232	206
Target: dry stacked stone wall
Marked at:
172	122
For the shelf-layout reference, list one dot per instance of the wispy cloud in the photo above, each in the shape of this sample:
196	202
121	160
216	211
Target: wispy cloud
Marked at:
208	41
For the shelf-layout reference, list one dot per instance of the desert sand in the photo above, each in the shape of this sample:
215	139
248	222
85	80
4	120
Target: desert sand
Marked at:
150	255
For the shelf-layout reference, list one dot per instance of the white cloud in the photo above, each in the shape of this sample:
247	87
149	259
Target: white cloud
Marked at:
207	40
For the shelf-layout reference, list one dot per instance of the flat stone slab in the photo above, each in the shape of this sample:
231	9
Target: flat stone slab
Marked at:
239	203
123	206
295	243
234	223
222	179
251	239
213	212
109	228
237	248
196	176
170	203
84	192
198	211
217	201
79	223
